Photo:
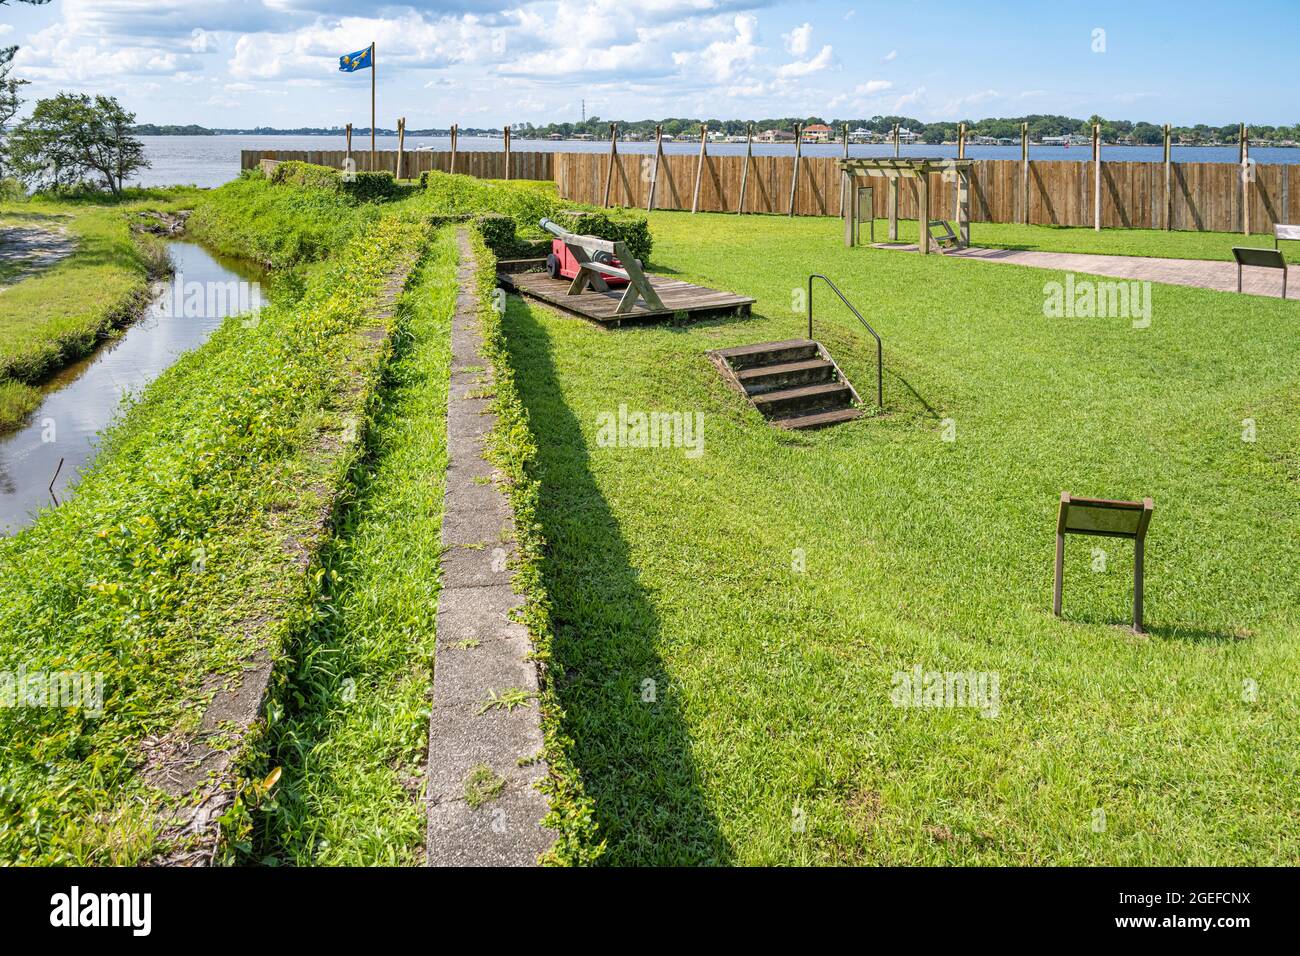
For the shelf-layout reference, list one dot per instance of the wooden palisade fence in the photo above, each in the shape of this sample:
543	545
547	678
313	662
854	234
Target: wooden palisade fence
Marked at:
1219	197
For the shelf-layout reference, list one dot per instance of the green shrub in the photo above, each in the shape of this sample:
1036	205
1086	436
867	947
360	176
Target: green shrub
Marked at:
361	186
307	176
498	233
526	202
617	227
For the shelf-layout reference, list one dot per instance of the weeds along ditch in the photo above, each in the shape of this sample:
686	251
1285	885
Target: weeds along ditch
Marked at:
194	542
57	308
168	567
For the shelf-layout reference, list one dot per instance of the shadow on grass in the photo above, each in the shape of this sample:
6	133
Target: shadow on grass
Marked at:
634	755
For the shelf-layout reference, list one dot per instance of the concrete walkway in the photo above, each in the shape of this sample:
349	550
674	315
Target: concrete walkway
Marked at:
485	735
1201	273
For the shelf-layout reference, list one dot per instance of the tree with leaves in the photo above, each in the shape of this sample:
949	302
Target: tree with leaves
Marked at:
72	139
10	101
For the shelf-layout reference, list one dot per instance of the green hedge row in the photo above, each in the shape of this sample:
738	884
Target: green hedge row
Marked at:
361	186
508	212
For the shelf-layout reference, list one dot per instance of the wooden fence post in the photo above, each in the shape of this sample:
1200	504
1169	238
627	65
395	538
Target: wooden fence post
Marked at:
654	172
1245	179
699	166
349	139
1096	177
401	145
1169	184
744	172
613	158
506	131
1024	173
454	130
798	155
897	145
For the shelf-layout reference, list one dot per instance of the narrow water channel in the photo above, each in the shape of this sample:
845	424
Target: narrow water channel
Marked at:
84	398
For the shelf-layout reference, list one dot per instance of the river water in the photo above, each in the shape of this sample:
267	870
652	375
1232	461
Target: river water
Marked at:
213	160
84	398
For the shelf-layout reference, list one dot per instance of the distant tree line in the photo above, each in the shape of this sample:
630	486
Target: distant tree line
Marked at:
1040	125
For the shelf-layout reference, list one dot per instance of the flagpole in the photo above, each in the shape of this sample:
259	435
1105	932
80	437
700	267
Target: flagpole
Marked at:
373	69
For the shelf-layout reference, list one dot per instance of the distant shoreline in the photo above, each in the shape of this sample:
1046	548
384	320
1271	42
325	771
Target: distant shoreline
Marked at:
359	135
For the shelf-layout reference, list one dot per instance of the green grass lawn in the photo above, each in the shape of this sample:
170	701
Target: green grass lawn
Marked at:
773	587
1108	242
59	314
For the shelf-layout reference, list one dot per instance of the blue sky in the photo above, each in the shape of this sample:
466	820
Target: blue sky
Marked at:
274	62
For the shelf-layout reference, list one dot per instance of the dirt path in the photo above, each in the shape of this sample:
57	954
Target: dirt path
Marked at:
27	250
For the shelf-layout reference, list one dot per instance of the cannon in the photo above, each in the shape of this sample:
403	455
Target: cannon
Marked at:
563	264
595	263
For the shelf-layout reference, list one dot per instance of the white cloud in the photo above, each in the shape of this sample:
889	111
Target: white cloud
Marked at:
891	56
805	67
798	40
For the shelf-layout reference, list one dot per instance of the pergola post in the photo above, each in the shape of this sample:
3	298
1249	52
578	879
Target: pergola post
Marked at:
923	212
849	206
961	154
963	206
892	201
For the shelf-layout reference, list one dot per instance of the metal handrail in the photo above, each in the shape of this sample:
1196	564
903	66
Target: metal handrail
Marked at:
880	349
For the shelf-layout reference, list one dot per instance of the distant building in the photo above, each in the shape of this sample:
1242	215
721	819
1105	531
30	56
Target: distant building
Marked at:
908	136
817	133
775	136
556	136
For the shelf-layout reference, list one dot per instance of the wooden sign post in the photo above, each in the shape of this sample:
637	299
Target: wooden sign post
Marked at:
1108	519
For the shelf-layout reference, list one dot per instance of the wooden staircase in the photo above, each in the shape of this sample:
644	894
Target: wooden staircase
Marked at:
795	384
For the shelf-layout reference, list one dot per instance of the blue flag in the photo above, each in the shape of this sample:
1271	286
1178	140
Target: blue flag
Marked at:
351	62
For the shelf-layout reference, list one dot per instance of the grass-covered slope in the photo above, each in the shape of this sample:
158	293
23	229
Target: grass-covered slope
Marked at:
56	315
173	558
282	223
773	587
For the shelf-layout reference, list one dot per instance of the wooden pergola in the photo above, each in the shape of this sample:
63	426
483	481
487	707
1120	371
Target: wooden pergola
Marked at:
915	168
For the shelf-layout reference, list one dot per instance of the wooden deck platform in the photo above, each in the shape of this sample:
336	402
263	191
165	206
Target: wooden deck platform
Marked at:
697	302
